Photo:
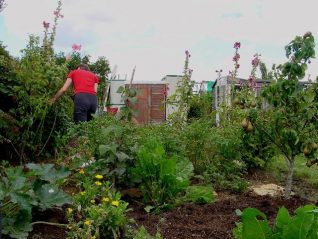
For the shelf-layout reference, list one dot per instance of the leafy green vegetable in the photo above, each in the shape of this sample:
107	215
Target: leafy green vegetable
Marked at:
303	225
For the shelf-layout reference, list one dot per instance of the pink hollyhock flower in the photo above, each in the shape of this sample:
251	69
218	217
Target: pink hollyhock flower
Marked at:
237	45
46	25
187	53
255	62
76	47
251	81
236	57
237	66
58	14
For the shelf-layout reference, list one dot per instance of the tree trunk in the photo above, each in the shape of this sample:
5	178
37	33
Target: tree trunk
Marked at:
289	180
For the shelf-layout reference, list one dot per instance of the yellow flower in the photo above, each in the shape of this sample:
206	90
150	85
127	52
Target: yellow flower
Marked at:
83	193
115	203
81	171
98	176
88	222
93	237
104	199
69	210
98	183
69	227
92	201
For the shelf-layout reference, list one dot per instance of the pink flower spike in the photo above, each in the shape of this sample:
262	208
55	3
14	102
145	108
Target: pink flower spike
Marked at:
76	47
46	25
56	13
237	45
62	16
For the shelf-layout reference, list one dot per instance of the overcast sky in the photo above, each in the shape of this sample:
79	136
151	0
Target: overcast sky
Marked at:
153	35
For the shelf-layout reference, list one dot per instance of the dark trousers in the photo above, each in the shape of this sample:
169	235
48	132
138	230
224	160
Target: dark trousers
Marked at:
85	106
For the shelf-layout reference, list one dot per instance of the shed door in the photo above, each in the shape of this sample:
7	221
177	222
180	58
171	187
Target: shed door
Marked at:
157	105
150	104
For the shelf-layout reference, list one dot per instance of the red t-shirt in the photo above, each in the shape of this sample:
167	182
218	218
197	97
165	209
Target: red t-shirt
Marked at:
83	81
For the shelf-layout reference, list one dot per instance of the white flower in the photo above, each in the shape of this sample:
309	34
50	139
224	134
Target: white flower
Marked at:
84	165
51	190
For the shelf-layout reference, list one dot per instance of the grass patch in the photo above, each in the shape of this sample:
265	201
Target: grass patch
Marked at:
278	168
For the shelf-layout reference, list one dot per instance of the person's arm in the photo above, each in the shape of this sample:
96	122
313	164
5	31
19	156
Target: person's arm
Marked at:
96	87
66	85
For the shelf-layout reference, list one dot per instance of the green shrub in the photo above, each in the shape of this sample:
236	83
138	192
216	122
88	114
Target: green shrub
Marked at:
198	144
200	106
161	177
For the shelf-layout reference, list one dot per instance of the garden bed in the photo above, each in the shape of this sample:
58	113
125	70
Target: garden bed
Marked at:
210	221
189	221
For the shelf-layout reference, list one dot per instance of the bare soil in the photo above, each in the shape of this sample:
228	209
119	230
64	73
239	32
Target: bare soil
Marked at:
211	221
207	221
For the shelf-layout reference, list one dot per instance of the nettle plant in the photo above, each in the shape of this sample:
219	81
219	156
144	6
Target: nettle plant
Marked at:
292	107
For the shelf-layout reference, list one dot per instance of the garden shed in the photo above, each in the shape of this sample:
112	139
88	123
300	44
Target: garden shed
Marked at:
151	102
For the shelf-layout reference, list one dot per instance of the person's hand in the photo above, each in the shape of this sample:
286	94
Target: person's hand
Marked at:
52	101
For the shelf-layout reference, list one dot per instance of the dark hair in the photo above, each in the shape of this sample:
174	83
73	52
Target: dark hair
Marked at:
83	67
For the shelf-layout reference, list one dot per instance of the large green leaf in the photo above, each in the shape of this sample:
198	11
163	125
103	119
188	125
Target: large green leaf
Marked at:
51	195
23	200
282	218
254	228
47	172
19	225
104	149
300	225
184	169
122	156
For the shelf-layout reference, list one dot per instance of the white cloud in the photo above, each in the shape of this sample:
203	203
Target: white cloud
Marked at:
154	34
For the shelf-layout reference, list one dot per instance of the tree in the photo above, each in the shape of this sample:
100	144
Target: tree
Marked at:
291	122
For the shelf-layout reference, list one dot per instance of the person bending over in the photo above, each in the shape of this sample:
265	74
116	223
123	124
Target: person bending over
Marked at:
85	85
